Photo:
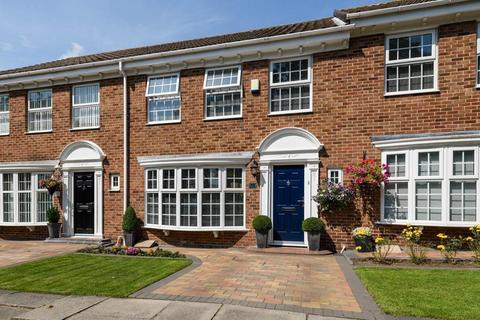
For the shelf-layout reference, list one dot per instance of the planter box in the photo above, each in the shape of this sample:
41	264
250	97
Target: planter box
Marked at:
313	241
130	238
262	240
54	230
366	243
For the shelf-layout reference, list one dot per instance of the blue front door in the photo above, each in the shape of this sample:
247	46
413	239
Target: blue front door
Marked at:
288	213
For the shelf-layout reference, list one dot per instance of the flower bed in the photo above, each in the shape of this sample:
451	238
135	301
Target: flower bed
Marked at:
132	251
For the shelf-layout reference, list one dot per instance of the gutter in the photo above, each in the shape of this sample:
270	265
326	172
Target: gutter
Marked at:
378	12
183	51
125	136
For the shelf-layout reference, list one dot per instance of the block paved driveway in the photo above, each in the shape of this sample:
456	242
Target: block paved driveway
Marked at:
14	252
262	280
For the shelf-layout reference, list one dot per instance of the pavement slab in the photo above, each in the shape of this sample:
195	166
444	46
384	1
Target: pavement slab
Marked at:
61	309
123	309
188	311
7	313
228	312
28	300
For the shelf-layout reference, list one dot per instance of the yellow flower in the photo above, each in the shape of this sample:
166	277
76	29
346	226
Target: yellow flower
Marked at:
358	248
442	236
471	228
378	240
441	247
469	239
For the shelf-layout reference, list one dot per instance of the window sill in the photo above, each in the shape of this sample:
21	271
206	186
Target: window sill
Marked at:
196	229
22	224
405	93
110	190
39	132
283	113
83	129
163	122
427	224
4	134
223	118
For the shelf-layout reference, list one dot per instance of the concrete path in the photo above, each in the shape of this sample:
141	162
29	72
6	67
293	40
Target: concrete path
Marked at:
26	306
15	252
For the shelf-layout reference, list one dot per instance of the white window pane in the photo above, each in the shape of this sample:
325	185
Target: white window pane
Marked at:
234	210
152	179
39	99
169	209
396	200
410	77
163	109
211	178
152	208
211	209
86	94
188	179
222	77
163	85
223	104
234	178
428	200
463	200
86	116
40	120
44	202
188	209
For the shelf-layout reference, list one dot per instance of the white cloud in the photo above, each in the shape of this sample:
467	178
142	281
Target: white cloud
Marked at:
6	46
74	51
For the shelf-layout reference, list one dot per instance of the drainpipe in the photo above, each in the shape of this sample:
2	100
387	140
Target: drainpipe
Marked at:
125	136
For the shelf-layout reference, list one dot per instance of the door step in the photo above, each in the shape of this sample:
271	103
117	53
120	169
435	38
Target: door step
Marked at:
78	240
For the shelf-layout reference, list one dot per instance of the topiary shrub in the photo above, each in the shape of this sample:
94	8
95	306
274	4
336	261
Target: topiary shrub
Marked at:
262	224
53	215
130	221
313	225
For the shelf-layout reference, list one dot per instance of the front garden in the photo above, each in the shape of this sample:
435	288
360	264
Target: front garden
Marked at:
89	274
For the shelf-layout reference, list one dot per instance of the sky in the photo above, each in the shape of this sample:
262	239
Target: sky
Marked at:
33	31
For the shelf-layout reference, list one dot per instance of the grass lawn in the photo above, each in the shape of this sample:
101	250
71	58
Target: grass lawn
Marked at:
440	294
80	274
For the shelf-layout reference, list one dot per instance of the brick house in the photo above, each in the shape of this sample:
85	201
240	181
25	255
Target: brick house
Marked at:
200	136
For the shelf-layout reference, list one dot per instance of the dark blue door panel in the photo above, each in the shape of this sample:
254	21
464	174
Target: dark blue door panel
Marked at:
288	213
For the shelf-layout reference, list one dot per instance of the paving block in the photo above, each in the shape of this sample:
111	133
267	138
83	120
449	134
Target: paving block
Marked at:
188	311
123	309
62	308
228	312
28	300
314	317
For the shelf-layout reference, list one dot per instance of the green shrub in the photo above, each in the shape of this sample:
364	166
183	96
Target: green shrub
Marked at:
53	215
130	221
262	224
314	225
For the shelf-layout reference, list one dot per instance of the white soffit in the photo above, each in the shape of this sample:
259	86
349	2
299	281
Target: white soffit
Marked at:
197	160
426	140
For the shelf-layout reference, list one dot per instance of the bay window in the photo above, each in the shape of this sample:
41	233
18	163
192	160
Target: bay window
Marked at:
290	86
223	93
437	187
411	63
4	115
40	110
195	198
163	94
23	200
86	106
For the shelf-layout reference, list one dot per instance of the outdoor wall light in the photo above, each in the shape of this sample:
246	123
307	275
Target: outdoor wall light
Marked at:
254	168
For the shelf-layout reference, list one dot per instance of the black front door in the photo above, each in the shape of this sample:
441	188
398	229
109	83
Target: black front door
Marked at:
84	212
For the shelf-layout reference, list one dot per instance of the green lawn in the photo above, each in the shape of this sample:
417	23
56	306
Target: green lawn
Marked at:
81	274
452	294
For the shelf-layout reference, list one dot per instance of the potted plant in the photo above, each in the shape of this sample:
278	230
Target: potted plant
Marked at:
334	196
262	225
314	228
368	174
52	184
53	216
130	226
363	239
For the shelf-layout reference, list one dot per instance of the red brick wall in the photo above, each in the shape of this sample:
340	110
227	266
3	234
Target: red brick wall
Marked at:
21	146
349	107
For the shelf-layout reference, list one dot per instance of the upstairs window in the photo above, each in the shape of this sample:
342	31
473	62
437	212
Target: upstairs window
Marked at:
86	106
40	110
290	86
411	63
4	115
478	55
163	96
223	93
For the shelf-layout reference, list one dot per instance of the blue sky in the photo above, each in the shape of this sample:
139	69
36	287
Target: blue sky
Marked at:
38	31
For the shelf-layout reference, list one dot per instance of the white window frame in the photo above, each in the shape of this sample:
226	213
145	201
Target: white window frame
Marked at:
410	61
115	177
7	113
30	111
445	177
164	96
86	105
309	81
340	175
477	71
199	190
16	206
223	89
